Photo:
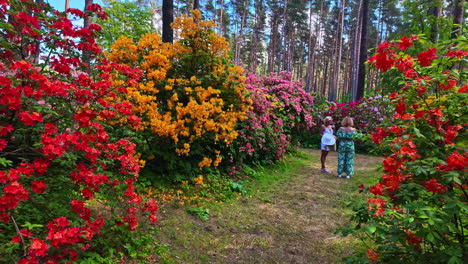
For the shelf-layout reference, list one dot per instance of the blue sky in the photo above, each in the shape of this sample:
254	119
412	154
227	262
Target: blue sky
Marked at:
78	4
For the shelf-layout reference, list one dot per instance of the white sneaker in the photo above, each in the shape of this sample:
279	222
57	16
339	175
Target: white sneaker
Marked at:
348	177
339	176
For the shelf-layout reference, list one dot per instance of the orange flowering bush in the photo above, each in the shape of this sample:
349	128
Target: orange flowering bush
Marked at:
189	98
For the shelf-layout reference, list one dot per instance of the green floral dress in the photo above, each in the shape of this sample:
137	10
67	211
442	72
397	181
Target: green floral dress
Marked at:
346	152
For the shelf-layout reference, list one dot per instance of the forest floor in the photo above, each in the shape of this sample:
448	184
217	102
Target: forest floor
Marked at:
289	218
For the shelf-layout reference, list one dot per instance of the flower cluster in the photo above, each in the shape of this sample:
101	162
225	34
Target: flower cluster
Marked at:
56	155
419	208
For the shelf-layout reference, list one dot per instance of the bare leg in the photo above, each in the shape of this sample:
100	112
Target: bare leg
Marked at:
323	158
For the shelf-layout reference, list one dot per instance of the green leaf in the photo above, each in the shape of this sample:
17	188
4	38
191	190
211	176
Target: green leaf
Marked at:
430	237
371	229
5	163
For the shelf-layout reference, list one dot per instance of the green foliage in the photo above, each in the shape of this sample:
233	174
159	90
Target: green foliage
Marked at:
125	19
202	213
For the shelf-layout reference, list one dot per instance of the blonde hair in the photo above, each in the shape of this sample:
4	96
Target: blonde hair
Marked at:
327	120
347	122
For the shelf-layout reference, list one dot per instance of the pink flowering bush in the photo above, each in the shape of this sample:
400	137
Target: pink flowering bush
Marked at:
367	113
281	109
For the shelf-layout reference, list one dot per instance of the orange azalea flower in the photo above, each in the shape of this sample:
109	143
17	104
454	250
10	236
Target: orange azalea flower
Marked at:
199	180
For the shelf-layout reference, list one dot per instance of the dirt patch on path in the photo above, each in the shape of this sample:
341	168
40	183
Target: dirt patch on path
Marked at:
291	223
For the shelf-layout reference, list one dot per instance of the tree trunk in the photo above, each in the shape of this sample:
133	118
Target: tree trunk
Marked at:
154	12
221	31
87	21
240	38
196	4
325	77
357	41
435	11
337	70
458	18
273	43
362	51
312	49
167	19
283	53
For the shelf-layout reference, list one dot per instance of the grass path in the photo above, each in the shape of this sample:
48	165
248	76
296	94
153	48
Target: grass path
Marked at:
289	216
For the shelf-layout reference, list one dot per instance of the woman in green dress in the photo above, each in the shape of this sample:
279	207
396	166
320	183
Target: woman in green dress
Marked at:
346	147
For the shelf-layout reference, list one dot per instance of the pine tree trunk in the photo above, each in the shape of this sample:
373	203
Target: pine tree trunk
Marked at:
357	41
325	78
273	43
284	51
362	51
221	31
240	39
338	56
87	21
167	19
435	11
196	4
458	18
154	11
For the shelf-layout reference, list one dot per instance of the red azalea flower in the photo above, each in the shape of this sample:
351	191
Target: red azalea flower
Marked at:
434	187
377	189
38	248
450	84
405	43
361	188
38	186
425	58
383	61
457	162
372	256
456	53
29	118
463	89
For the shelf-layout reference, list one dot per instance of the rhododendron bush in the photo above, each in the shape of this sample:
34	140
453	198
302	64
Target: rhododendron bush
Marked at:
189	97
281	108
418	210
56	157
368	113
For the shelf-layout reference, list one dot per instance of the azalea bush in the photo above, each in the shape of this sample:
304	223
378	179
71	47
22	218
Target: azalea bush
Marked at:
418	210
66	178
281	109
189	98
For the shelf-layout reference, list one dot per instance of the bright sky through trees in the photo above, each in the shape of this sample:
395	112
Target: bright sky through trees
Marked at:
79	4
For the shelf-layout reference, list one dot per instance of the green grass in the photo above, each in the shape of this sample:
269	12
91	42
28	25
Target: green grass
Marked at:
289	214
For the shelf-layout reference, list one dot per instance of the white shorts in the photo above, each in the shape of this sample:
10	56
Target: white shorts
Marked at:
325	147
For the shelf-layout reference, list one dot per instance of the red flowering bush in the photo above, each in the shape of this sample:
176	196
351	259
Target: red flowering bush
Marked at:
418	210
65	177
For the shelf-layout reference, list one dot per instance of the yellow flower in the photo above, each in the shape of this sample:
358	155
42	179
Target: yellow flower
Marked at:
199	180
